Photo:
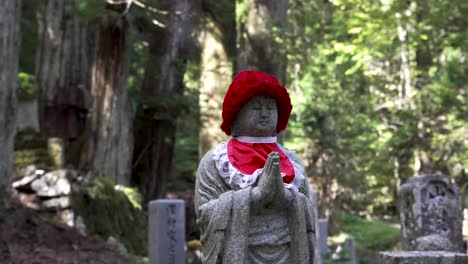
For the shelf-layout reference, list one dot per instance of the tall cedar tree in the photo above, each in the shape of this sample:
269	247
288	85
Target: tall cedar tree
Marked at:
111	145
217	39
62	73
160	95
9	48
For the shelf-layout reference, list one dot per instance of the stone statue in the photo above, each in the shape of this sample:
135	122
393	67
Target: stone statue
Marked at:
252	199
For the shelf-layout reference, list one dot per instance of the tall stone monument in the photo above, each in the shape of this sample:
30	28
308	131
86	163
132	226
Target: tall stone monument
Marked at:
430	214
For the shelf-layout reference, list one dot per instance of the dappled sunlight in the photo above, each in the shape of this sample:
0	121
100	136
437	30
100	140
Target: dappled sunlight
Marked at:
118	101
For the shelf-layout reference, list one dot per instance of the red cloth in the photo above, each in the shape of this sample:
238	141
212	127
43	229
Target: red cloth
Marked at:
244	87
248	157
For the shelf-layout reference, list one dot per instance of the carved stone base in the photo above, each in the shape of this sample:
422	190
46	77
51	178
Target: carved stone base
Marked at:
422	257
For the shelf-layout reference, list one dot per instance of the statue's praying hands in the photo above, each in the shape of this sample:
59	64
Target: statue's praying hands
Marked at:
270	190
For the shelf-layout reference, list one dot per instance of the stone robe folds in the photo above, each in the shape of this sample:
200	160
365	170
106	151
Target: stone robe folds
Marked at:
224	215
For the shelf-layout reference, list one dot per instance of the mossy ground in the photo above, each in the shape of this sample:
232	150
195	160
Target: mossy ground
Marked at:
108	211
371	235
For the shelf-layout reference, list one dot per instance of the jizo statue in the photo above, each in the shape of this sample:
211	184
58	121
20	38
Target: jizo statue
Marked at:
252	199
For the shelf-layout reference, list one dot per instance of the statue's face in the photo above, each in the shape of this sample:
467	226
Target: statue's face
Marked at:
258	118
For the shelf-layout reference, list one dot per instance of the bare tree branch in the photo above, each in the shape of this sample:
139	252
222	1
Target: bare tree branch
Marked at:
137	3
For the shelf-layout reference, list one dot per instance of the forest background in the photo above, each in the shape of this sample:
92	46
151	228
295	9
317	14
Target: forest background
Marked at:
134	88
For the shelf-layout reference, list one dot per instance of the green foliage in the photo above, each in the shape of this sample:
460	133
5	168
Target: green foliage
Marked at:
358	132
26	157
28	36
132	194
369	233
93	9
31	148
136	74
241	10
26	82
110	211
186	145
27	85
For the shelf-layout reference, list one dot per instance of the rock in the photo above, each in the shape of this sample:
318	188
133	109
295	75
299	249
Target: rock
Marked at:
52	184
193	257
116	243
25	181
80	225
66	216
57	203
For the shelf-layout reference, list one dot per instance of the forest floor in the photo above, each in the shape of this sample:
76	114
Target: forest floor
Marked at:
26	237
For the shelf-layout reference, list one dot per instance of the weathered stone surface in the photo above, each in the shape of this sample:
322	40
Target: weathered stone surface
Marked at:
166	231
422	257
56	149
80	225
114	242
65	216
27	116
431	214
52	184
323	232
25	181
57	203
350	244
255	218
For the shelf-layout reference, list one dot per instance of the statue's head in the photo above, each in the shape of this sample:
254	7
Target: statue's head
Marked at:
257	118
255	105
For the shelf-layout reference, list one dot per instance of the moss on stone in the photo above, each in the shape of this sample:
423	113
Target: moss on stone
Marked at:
31	148
27	157
107	211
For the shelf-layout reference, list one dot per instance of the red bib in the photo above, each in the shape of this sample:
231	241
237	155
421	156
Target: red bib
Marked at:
248	157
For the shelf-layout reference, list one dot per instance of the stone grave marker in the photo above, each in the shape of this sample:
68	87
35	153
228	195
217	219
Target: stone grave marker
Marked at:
323	236
350	245
430	214
431	222
166	231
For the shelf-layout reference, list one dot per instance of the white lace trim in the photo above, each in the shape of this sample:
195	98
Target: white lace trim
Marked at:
238	180
256	139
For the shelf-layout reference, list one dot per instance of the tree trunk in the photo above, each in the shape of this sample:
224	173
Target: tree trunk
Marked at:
9	50
159	108
62	73
261	38
111	144
217	42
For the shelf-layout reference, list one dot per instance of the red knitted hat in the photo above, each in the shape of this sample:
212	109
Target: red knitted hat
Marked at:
244	87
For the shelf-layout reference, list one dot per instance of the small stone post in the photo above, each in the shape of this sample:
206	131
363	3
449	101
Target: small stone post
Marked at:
430	214
56	149
323	236
166	231
350	244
